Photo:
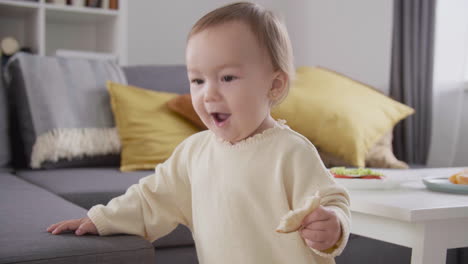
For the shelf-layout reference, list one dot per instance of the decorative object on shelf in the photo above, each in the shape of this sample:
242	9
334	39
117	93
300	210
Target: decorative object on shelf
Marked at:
113	4
57	2
8	47
80	3
93	3
105	4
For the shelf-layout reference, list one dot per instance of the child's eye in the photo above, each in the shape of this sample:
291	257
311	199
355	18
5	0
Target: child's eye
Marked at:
197	81
229	78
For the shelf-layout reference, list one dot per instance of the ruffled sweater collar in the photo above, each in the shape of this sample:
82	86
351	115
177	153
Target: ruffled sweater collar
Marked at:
267	133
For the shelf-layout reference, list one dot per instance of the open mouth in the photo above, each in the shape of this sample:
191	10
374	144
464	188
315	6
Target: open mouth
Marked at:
220	119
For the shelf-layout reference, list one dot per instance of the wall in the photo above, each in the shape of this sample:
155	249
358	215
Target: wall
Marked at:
158	29
449	144
352	37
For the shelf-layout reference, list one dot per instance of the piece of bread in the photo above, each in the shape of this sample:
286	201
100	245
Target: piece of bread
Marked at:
292	221
460	178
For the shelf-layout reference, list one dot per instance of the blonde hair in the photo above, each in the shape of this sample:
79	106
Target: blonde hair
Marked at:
266	26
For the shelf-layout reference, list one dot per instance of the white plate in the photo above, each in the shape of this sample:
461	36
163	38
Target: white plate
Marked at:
444	185
367	184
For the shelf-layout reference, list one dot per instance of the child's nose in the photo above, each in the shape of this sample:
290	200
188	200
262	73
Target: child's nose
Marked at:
212	93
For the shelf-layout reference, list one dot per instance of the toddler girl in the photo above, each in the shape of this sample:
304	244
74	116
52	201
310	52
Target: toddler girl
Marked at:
232	184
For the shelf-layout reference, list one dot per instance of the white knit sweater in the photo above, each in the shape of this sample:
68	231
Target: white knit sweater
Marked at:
232	197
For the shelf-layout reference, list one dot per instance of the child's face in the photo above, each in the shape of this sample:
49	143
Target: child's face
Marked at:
230	76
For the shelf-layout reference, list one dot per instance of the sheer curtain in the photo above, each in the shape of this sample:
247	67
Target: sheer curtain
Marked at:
412	76
449	144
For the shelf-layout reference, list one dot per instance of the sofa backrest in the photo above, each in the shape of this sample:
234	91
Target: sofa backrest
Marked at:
5	154
166	78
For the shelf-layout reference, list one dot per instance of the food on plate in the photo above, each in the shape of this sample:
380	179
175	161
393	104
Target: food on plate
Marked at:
460	178
359	173
292	221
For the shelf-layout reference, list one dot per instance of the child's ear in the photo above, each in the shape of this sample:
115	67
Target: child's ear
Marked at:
278	85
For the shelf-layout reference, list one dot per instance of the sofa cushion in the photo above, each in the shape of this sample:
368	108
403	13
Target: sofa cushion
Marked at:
85	187
183	106
148	131
28	210
90	186
339	115
179	255
5	154
62	107
181	236
165	78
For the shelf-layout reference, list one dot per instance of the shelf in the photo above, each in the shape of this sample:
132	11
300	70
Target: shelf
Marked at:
82	36
12	8
46	27
20	3
82	10
72	14
19	19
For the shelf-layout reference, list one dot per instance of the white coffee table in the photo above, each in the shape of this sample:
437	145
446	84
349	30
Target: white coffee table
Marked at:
412	216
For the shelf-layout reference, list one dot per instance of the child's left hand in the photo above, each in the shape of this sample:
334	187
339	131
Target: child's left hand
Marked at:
321	229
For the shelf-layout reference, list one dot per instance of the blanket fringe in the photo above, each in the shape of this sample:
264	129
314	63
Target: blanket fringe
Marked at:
72	143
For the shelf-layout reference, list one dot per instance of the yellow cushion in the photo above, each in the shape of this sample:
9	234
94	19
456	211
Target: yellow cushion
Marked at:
182	105
340	116
148	130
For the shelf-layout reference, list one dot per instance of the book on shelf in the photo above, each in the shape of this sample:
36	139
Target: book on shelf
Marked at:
93	3
113	4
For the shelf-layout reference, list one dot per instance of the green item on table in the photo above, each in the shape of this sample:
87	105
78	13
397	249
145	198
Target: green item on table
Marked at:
358	171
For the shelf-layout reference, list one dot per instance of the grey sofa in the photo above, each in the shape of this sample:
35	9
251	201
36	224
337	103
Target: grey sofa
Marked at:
31	200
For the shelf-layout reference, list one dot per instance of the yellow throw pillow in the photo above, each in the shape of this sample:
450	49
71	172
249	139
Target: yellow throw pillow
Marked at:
148	130
380	155
182	105
340	116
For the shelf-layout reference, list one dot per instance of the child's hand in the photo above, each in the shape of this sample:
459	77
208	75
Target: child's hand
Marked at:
321	229
82	226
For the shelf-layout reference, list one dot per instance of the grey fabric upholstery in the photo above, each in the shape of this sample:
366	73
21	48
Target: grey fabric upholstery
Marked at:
179	255
26	212
60	98
5	154
109	160
64	92
87	187
181	236
84	186
166	78
6	170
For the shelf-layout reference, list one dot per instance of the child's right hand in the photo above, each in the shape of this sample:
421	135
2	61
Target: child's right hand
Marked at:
82	226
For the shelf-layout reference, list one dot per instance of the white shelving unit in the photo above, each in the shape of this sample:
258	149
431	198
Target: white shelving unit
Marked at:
46	27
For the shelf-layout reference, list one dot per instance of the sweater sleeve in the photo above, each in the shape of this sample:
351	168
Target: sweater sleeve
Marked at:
153	207
307	175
